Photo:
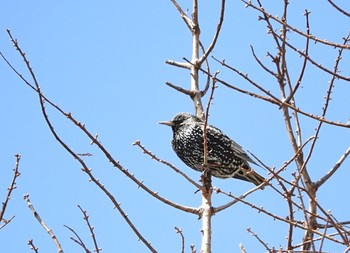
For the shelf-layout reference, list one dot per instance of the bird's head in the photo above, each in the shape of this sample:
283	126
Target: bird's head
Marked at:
179	120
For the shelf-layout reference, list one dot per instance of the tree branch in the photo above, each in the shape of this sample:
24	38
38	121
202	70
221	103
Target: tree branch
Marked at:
216	36
12	186
77	240
328	175
91	228
43	224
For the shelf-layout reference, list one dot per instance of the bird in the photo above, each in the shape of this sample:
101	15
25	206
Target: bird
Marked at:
225	157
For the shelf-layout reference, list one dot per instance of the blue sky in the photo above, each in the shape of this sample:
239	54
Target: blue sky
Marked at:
105	63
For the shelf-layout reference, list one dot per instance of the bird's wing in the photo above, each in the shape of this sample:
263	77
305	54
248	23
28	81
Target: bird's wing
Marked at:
226	143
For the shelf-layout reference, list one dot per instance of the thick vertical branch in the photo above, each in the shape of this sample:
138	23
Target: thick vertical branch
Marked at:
197	100
196	97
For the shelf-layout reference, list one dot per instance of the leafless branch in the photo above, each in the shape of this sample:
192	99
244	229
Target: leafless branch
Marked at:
94	140
32	246
153	156
322	180
276	217
206	87
179	231
271	98
292	28
91	228
315	63
186	19
303	68
12	186
259	239
338	8
178	64
215	38
78	240
43	224
180	89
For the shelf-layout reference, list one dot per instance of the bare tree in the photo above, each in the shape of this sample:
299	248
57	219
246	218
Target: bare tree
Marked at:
292	182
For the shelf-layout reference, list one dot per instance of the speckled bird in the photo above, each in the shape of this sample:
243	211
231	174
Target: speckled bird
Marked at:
226	158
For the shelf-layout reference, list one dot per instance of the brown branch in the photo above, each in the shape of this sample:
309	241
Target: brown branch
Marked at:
314	38
95	141
267	181
276	217
207	84
261	64
303	68
91	228
324	111
180	89
318	65
272	99
215	38
179	231
85	168
153	156
338	8
77	240
43	224
259	239
12	186
32	246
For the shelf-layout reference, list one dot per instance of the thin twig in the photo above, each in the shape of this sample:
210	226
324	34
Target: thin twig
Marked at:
32	246
259	239
215	38
303	68
91	228
43	224
315	63
77	240
276	217
207	84
179	231
153	156
94	140
272	99
85	168
338	8
292	28
12	186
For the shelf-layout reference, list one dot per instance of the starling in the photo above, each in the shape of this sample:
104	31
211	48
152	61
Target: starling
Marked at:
226	159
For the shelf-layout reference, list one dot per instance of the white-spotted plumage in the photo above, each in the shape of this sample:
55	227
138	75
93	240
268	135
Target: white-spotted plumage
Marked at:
226	158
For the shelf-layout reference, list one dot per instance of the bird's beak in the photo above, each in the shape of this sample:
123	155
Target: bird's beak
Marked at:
167	123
